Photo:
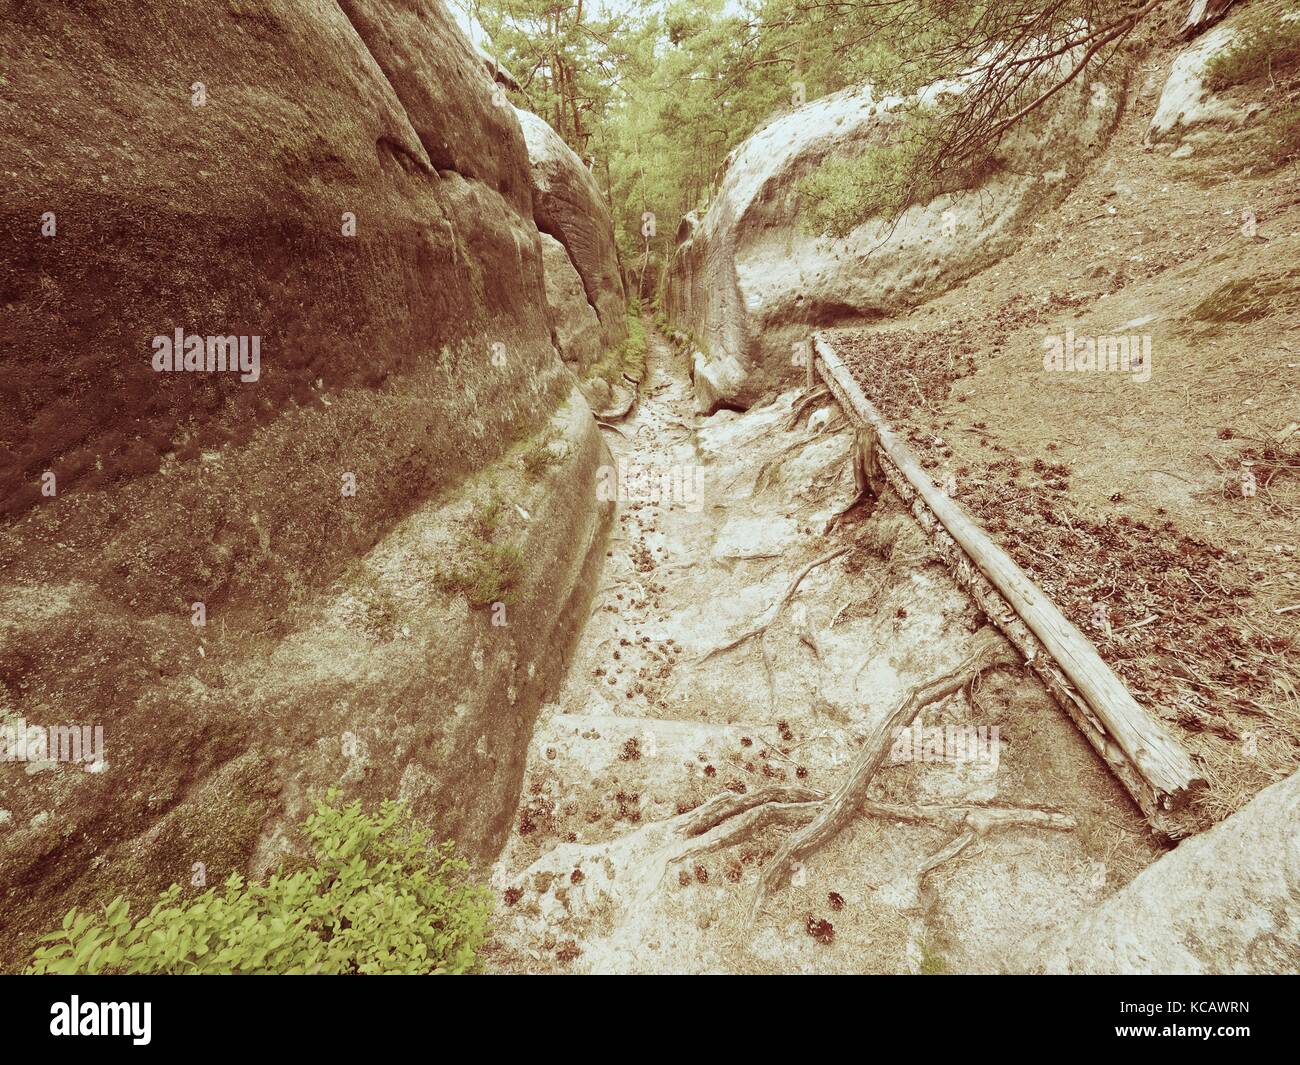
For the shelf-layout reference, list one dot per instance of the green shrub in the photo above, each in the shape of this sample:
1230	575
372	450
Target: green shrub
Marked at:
1281	131
634	348
843	193
932	963
492	574
375	898
540	456
886	179
1266	46
629	359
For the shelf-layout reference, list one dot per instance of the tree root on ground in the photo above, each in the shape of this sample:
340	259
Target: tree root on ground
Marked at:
619	413
729	818
775	611
834	519
802	405
769	468
989	650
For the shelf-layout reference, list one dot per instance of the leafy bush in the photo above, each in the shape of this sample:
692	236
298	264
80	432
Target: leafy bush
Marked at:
376	898
1265	46
888	178
844	193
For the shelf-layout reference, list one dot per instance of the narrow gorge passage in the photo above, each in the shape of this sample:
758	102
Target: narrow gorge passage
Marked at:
646	728
649	486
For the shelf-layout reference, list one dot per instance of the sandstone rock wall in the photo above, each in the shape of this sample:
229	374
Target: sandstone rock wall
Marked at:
575	327
1189	111
191	166
568	206
748	280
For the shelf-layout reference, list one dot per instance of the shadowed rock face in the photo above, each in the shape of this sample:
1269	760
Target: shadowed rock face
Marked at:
575	327
406	358
748	281
568	206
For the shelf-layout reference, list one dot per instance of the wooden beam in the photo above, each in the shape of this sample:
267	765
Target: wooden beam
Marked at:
1131	735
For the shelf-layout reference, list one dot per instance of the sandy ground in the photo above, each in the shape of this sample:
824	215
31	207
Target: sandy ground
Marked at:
645	731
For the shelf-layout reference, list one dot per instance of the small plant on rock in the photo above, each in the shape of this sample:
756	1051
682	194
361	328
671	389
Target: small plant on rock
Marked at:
374	897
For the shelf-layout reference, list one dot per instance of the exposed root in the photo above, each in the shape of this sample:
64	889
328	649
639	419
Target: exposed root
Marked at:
780	605
730	818
947	854
978	819
622	412
721	807
769	468
748	824
803	405
989	650
835	518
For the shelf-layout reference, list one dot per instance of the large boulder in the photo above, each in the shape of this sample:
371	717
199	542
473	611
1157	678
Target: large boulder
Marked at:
568	205
748	280
249	580
1226	901
1188	107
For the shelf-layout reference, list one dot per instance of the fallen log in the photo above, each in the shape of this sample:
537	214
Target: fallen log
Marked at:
1153	767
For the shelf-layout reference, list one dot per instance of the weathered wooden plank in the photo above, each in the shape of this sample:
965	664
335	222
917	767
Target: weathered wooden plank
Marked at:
1113	721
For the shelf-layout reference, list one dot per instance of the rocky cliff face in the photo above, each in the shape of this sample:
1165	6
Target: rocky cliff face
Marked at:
569	208
747	281
248	579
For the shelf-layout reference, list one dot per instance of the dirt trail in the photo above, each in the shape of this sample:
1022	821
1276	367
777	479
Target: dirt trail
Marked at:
644	730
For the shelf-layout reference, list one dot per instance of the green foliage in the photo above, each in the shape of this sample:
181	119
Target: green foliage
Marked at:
488	572
491	574
885	180
375	898
844	193
657	93
635	346
540	454
487	515
1266	46
932	963
629	359
1281	133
